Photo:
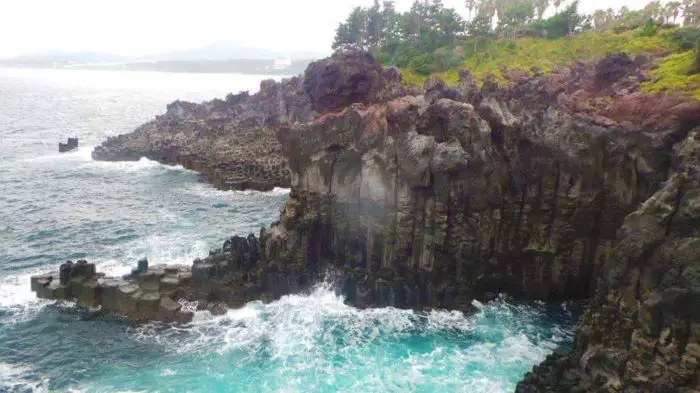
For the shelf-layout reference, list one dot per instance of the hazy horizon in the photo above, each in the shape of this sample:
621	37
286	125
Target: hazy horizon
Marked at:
135	28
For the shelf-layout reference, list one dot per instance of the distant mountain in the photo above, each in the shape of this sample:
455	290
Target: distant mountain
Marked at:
217	57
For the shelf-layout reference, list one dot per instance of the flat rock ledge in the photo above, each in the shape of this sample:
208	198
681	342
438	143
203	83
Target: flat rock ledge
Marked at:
147	294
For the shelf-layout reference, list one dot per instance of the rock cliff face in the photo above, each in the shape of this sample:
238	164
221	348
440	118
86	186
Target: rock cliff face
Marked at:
566	186
431	202
641	332
231	142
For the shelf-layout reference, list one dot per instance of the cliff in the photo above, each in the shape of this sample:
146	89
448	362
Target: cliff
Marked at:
231	142
571	185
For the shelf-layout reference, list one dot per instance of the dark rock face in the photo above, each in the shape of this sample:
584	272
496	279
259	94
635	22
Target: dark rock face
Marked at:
230	142
612	68
566	186
641	332
343	79
70	145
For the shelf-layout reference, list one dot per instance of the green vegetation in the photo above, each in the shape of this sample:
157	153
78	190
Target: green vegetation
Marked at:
547	54
675	73
430	38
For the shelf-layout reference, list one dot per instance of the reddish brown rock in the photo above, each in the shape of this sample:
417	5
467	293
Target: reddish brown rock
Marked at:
343	79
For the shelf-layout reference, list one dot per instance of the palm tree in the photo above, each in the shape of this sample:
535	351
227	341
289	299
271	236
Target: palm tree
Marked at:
500	7
599	19
557	3
673	8
687	12
652	10
541	6
486	7
609	16
471	5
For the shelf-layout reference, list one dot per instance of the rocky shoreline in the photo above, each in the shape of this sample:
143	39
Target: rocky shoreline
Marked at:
572	185
231	142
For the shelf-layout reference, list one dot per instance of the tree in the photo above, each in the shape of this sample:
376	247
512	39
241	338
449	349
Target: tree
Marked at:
374	26
411	22
480	28
600	19
353	33
691	13
516	16
541	6
471	6
609	16
673	8
562	24
487	8
622	13
557	3
390	21
653	10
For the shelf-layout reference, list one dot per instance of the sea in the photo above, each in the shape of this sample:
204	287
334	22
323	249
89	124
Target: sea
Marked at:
56	207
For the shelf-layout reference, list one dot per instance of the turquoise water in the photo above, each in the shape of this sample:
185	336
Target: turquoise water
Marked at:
55	207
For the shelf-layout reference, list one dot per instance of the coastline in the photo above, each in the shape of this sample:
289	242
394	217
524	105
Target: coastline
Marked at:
437	199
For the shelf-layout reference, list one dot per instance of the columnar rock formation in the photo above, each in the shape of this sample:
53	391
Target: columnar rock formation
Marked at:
565	186
144	295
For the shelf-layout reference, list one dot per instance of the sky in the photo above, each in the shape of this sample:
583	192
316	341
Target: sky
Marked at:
139	27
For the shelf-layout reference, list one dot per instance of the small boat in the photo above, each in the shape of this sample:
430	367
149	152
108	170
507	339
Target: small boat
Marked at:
72	144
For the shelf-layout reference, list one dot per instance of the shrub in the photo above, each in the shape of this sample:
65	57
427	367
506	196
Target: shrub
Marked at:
423	64
649	30
686	37
446	58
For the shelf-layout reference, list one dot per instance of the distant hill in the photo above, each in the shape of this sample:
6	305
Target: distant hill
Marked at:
231	51
217	57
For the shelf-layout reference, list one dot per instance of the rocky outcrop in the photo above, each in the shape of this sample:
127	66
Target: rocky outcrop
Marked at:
350	77
231	142
146	294
572	185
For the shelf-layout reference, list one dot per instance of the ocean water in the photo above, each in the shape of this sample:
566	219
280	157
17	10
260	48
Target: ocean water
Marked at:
55	207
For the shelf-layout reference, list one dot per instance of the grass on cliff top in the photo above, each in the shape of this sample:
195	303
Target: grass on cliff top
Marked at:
672	76
547	54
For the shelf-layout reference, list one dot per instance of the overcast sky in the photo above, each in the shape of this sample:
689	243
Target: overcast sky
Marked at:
135	27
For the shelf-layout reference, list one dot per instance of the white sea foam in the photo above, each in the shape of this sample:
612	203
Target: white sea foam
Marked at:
318	334
207	191
81	154
143	165
15	378
17	298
